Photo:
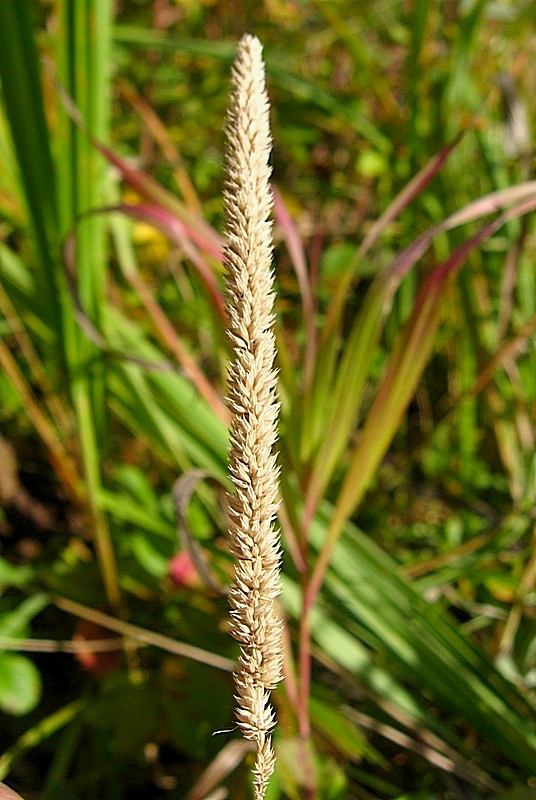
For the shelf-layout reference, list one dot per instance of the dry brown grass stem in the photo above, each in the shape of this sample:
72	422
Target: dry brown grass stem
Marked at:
253	404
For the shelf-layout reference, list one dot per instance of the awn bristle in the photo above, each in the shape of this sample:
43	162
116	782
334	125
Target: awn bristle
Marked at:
254	406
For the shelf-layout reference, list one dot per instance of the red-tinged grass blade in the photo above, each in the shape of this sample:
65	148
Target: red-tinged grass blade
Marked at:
332	407
322	402
329	422
331	413
402	201
315	410
174	228
161	136
407	195
198	230
170	226
404	369
295	249
163	327
296	252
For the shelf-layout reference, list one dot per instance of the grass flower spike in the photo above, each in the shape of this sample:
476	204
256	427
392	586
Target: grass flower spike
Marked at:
253	404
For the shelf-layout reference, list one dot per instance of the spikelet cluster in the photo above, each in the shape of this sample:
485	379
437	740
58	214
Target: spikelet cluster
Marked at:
253	404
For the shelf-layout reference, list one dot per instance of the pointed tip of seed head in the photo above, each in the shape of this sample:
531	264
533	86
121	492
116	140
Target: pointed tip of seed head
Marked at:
250	40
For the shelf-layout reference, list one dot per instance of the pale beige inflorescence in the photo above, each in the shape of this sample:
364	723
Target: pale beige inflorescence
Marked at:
253	402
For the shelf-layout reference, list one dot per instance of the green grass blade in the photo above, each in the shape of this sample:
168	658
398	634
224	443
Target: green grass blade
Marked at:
83	54
331	408
404	369
38	733
23	101
369	616
364	586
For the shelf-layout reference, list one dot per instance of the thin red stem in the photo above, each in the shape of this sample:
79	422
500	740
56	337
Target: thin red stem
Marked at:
304	666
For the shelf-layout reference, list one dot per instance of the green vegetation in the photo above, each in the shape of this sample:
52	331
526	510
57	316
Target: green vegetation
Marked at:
406	314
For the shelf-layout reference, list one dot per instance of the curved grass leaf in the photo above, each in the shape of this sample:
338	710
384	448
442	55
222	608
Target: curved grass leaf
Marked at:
404	369
23	103
373	623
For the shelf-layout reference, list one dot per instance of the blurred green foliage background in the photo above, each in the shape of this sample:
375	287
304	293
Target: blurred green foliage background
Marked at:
408	389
